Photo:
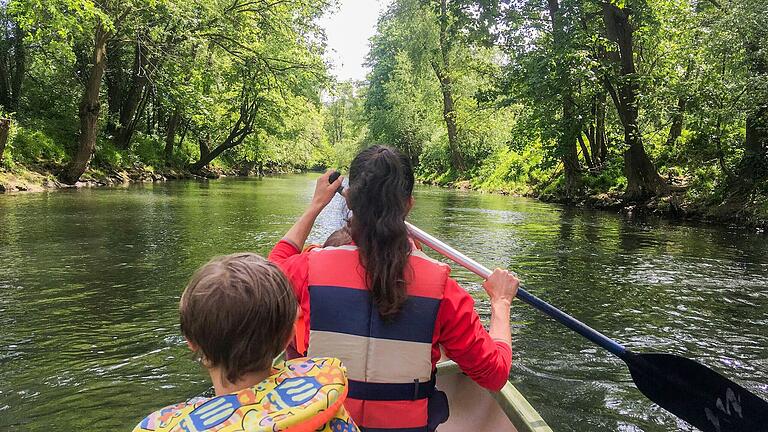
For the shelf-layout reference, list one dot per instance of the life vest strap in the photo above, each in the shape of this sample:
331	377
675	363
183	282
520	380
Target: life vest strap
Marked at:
391	392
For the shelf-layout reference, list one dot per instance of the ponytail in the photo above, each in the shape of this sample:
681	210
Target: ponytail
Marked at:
380	185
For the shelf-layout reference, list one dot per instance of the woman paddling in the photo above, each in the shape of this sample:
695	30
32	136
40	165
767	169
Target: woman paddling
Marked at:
386	309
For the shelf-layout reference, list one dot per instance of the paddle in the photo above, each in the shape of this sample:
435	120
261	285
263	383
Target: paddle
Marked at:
687	389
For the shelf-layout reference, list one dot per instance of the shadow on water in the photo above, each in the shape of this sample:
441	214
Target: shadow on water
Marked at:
90	280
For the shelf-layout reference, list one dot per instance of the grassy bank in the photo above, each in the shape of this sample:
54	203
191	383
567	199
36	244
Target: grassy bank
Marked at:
699	196
34	158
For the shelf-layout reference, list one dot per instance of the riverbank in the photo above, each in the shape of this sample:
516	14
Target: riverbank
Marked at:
676	206
41	179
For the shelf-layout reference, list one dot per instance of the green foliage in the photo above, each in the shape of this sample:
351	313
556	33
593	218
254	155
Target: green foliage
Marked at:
434	164
610	179
228	73
107	156
147	150
535	80
34	147
528	85
514	172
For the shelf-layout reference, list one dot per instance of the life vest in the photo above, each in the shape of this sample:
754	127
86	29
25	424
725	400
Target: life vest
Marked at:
303	395
389	363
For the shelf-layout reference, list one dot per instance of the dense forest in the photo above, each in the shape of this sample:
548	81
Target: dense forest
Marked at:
657	103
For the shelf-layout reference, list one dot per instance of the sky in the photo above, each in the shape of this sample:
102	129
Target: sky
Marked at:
348	30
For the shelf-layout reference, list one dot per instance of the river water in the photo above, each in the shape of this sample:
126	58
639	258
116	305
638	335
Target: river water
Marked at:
90	280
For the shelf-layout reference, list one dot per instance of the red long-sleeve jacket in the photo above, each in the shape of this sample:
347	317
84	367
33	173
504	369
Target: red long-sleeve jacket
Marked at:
457	329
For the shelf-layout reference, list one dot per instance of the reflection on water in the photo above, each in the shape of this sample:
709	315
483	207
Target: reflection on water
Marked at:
90	279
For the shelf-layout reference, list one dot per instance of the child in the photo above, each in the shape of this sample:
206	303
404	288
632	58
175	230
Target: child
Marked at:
340	237
237	315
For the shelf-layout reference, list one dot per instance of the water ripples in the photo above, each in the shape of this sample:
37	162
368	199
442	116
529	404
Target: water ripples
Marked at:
90	282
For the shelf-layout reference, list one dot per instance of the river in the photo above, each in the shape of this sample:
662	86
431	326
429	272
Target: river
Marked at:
90	280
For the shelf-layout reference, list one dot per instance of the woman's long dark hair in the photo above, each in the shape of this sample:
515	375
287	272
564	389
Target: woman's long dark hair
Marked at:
380	185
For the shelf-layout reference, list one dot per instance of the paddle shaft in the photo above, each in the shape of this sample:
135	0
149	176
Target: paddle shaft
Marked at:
683	387
687	389
482	271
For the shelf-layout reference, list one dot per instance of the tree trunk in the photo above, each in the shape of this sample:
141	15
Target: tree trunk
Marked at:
596	132
443	72
114	78
205	149
676	128
569	131
752	170
5	127
600	138
213	154
129	107
754	165
5	67
449	115
90	107
569	134
184	131
585	152
643	179
170	134
20	69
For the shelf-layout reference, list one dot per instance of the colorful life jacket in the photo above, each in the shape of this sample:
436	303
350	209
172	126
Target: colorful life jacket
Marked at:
389	362
303	395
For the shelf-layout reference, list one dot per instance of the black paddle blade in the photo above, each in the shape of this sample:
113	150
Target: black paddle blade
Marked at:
697	394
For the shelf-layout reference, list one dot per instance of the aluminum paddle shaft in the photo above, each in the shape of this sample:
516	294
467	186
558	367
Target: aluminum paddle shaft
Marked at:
687	389
482	271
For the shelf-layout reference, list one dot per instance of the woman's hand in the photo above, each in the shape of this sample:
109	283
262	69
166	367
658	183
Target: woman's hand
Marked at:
324	191
501	286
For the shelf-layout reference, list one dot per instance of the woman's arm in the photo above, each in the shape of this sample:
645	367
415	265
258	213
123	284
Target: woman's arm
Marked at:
486	357
287	254
501	287
324	192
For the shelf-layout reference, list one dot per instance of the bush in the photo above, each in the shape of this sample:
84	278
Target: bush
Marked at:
610	179
507	170
434	163
106	155
705	184
33	147
148	149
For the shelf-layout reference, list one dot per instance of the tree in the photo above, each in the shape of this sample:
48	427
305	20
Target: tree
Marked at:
90	108
570	129
426	68
751	172
13	56
270	57
441	64
643	179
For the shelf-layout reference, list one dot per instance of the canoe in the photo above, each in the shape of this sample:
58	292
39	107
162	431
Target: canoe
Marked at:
472	408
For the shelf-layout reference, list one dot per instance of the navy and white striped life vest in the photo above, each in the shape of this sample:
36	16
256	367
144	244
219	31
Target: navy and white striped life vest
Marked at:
389	363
